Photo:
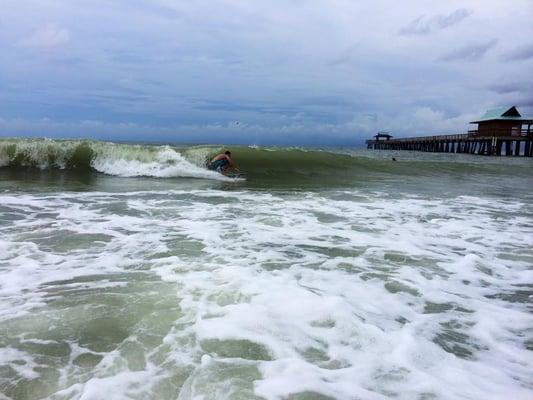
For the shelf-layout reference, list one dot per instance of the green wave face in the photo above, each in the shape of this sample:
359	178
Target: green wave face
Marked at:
93	155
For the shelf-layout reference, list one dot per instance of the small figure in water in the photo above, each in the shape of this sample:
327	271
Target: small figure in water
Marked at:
393	159
223	163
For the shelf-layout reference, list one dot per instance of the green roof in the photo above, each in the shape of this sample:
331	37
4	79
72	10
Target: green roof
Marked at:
502	114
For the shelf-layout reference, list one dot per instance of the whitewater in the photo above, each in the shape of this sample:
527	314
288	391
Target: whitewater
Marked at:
130	271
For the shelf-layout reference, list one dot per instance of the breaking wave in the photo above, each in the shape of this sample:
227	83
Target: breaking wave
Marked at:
126	160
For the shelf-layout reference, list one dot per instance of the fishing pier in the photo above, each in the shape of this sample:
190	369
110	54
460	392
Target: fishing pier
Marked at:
500	132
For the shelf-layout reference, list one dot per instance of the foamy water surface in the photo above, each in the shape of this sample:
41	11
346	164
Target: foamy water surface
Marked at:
226	292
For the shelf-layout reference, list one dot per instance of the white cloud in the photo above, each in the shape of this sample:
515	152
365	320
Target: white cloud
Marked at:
49	36
427	114
429	121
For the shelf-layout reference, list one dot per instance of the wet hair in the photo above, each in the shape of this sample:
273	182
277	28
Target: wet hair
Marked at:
228	153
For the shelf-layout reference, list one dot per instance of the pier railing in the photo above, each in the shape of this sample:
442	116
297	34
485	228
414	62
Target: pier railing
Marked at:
423	138
501	132
471	135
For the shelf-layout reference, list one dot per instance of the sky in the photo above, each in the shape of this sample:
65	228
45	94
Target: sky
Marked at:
260	72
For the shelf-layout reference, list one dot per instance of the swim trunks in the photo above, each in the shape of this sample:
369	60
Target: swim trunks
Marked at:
217	165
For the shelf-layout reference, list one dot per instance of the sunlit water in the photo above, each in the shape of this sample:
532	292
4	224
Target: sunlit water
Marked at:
304	280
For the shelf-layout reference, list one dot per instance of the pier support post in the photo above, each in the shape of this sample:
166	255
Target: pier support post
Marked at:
508	149
498	147
517	147
482	147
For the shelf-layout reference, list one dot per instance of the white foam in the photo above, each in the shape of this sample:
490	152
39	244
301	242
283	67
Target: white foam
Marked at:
330	296
19	361
166	163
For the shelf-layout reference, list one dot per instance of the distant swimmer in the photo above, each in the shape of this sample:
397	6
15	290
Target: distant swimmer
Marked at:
223	163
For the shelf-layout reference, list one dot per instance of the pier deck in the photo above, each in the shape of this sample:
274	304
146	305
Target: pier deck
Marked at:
470	143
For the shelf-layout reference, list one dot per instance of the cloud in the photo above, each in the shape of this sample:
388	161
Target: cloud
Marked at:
427	114
292	132
430	121
527	102
424	26
344	57
47	37
520	53
508	87
281	68
471	52
517	92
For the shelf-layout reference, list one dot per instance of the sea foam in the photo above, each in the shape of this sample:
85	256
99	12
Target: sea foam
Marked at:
226	294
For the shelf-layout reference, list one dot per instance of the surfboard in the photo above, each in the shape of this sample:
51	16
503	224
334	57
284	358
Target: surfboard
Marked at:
234	175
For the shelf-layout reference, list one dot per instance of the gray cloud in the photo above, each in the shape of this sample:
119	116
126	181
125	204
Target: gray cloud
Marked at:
526	102
519	84
520	53
471	52
518	92
284	70
344	57
424	26
504	88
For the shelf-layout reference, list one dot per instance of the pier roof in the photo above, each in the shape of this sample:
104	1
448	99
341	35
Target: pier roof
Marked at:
503	114
383	134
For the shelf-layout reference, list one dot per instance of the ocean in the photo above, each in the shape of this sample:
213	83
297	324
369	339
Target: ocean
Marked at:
130	271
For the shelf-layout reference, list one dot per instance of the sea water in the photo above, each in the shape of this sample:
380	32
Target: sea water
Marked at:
132	272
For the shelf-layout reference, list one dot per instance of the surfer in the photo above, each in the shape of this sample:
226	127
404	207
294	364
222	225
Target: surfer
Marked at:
222	163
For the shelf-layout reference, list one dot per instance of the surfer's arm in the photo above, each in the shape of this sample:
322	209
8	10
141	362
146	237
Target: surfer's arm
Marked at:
232	163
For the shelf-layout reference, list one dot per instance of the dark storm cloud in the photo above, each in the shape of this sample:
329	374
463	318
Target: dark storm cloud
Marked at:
424	26
471	52
520	53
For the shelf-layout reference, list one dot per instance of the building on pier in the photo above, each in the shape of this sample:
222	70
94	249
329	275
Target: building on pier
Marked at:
502	122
